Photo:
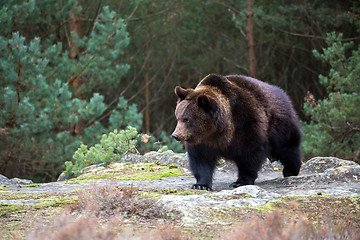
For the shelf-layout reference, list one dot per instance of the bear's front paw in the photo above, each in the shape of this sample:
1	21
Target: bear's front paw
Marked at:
242	182
237	184
201	187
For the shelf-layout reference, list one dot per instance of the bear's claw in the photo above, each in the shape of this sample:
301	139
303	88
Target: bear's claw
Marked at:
201	187
236	184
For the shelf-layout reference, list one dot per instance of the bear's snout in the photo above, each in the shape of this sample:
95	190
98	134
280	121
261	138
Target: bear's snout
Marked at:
176	137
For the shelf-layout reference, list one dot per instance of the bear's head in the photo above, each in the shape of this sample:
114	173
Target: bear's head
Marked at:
197	114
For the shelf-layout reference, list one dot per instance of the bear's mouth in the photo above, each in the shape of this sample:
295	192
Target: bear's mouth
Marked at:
190	140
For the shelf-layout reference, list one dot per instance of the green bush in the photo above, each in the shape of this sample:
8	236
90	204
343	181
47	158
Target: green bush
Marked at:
334	129
111	148
114	145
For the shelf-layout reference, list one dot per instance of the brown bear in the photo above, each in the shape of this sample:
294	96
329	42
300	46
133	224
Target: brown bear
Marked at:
237	118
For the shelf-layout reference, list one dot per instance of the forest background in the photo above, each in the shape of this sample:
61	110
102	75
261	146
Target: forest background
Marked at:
71	71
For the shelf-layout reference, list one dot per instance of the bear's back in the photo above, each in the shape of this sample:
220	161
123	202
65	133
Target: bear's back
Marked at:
270	96
257	87
246	93
230	86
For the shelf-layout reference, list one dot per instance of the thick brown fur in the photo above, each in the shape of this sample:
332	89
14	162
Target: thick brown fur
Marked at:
240	119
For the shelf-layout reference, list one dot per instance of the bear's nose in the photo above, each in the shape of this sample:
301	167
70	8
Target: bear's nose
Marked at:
175	136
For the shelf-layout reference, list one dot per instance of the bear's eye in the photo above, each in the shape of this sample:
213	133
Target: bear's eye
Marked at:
185	120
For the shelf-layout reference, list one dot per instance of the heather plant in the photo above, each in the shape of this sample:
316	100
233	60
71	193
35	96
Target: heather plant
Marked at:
109	201
280	226
334	128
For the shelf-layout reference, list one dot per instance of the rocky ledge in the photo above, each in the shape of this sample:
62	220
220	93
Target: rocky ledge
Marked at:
324	178
320	175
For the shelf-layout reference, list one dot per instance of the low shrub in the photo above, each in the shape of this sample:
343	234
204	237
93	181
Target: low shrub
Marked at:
111	148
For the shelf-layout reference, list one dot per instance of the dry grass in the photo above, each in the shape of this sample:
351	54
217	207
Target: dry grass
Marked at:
277	226
86	227
103	212
112	213
108	201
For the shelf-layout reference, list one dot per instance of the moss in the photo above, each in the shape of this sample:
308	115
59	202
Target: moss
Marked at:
6	210
273	205
152	195
76	181
216	220
182	192
269	206
150	176
158	193
9	195
21	196
17	219
235	196
31	185
140	171
173	166
318	208
54	202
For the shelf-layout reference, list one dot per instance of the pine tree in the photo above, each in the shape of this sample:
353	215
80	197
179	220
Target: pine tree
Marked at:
38	104
334	129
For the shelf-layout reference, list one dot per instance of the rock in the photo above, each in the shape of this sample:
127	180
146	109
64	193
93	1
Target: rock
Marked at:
62	177
181	160
5	181
167	157
22	202
254	196
90	168
267	166
254	191
277	164
131	158
14	181
321	170
328	175
321	164
22	181
320	176
325	176
244	196
194	207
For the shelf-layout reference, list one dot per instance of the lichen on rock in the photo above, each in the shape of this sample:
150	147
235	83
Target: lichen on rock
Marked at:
322	184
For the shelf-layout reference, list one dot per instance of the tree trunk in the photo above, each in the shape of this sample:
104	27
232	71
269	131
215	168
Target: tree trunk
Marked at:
76	27
250	39
147	71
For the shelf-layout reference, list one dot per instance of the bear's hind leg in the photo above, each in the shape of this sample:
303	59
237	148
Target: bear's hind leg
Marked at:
288	152
202	161
291	160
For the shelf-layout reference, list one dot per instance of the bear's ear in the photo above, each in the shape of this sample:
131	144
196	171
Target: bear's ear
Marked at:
181	92
206	102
